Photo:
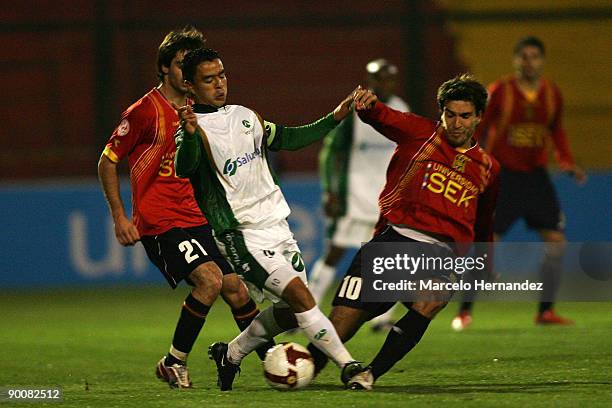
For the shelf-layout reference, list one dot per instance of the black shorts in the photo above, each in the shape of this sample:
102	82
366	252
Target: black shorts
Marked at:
349	292
530	196
178	251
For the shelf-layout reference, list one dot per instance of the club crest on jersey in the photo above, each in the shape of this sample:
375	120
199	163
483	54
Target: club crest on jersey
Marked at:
297	262
123	128
460	161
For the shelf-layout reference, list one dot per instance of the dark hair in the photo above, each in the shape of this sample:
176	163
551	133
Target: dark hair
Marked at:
188	38
192	59
463	88
529	41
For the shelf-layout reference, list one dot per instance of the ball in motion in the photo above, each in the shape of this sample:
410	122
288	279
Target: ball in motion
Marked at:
288	366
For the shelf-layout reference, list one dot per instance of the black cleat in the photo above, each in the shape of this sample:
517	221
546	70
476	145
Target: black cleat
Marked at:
226	371
350	370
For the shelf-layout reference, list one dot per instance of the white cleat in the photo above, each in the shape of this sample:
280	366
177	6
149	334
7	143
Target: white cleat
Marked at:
176	375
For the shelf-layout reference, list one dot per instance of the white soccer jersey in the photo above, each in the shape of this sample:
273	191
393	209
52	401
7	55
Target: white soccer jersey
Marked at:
369	156
235	136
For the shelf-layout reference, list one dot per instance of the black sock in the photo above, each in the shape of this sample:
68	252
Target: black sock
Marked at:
193	316
466	307
545	306
404	335
243	316
319	357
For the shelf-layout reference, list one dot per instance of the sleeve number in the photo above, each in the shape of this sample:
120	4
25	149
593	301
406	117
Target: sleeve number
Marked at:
351	287
187	248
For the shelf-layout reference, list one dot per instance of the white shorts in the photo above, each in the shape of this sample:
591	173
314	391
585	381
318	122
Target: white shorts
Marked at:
265	270
346	232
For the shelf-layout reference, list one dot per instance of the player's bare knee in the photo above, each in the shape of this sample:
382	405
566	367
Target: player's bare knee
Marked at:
209	276
554	243
234	291
297	296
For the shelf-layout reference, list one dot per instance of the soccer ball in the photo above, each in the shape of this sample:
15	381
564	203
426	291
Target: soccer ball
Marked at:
288	366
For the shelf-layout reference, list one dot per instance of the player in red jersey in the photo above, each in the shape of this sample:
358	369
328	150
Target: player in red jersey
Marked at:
166	217
524	114
441	190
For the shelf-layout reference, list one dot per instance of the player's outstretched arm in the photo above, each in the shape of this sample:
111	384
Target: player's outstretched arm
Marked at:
391	123
293	138
125	231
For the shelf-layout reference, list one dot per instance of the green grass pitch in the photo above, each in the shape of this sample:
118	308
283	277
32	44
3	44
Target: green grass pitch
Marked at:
101	346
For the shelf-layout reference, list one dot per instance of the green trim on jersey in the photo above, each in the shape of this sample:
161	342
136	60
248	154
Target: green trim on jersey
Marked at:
209	193
242	260
334	161
294	138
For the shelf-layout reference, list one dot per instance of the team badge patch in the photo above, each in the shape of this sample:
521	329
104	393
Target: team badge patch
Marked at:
460	162
297	262
123	128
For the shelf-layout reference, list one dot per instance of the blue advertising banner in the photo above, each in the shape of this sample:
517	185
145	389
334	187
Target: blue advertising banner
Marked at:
57	234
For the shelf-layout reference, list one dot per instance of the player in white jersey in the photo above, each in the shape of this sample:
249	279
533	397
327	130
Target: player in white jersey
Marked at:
223	150
353	165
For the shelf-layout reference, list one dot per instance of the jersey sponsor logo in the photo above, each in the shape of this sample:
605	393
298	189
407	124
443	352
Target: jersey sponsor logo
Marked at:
231	165
123	128
453	186
166	165
246	123
527	135
268	253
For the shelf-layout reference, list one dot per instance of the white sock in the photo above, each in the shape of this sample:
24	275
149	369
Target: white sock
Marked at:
321	277
261	330
384	318
322	334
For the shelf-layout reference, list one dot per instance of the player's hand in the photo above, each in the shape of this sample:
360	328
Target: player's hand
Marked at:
189	121
364	99
331	205
126	231
345	106
578	174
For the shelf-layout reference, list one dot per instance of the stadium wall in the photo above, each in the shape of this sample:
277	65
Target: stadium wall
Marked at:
61	234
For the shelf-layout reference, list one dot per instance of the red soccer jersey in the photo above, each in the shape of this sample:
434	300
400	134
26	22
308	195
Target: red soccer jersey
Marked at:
516	128
431	186
160	200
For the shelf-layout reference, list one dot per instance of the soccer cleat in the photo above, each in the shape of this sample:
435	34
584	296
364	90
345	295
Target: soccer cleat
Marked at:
350	370
226	371
550	317
176	375
461	321
361	381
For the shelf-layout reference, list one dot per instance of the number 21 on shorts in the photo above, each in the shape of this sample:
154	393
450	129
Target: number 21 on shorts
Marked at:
187	248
